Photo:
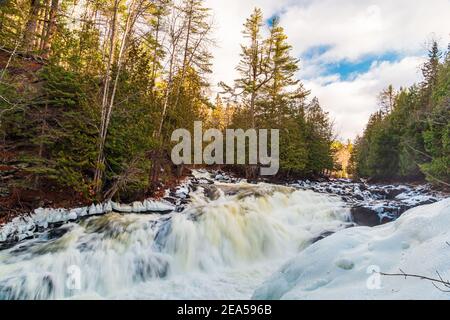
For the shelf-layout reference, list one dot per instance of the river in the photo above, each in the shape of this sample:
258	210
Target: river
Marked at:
222	239
219	247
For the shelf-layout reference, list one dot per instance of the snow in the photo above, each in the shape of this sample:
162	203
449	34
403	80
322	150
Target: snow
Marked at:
342	265
182	191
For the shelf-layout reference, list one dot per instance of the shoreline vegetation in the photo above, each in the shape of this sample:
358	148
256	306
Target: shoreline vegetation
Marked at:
91	92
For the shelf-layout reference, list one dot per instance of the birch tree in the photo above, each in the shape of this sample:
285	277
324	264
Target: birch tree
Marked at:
135	8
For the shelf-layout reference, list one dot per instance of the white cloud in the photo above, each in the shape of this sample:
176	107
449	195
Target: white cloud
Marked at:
350	103
357	28
352	29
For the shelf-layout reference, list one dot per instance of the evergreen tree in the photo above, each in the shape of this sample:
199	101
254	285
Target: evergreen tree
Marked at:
252	68
411	140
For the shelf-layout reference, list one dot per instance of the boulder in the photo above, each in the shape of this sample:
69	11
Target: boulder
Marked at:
364	216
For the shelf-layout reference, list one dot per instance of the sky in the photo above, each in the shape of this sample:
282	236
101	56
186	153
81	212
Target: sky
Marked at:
349	49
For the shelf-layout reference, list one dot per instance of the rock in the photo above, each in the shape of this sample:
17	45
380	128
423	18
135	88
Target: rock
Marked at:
345	264
72	215
170	199
386	219
107	207
124	208
364	216
138	207
358	197
322	236
82	211
212	192
158	206
392	193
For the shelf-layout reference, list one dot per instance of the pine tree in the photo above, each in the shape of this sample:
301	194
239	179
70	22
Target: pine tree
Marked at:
283	85
386	99
252	68
430	68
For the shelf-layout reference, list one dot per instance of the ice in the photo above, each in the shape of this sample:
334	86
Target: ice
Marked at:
23	227
138	207
155	206
343	262
182	191
107	206
95	209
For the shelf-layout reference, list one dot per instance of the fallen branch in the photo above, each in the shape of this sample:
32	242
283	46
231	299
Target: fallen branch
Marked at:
438	280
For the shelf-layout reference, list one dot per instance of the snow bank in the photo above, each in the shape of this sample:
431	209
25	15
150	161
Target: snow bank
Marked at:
341	266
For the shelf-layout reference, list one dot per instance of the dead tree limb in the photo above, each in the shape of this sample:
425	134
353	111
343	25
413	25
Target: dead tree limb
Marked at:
434	281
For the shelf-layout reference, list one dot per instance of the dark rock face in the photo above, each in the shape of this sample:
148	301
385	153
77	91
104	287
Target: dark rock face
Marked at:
364	216
392	193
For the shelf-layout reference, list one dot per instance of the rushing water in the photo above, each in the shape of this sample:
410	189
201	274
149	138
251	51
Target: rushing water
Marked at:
222	246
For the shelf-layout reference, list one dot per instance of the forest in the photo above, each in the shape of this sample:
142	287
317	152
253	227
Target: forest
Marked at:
90	92
409	137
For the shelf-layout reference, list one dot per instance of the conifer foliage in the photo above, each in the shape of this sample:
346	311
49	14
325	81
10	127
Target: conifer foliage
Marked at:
409	138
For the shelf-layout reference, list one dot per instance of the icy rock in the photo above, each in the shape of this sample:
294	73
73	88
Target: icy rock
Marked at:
40	217
138	207
24	235
95	209
72	215
167	193
107	207
205	181
92	209
146	206
121	207
182	191
23	227
158	206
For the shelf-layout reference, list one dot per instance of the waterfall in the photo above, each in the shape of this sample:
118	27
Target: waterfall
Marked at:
224	244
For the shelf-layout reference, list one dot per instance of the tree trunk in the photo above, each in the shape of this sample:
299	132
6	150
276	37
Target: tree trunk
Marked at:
51	29
156	155
100	159
30	28
106	115
185	54
155	56
44	23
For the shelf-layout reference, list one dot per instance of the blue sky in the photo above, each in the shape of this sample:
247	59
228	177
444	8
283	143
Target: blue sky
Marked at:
349	49
346	69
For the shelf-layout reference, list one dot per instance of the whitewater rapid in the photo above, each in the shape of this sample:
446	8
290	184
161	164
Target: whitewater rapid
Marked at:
229	239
